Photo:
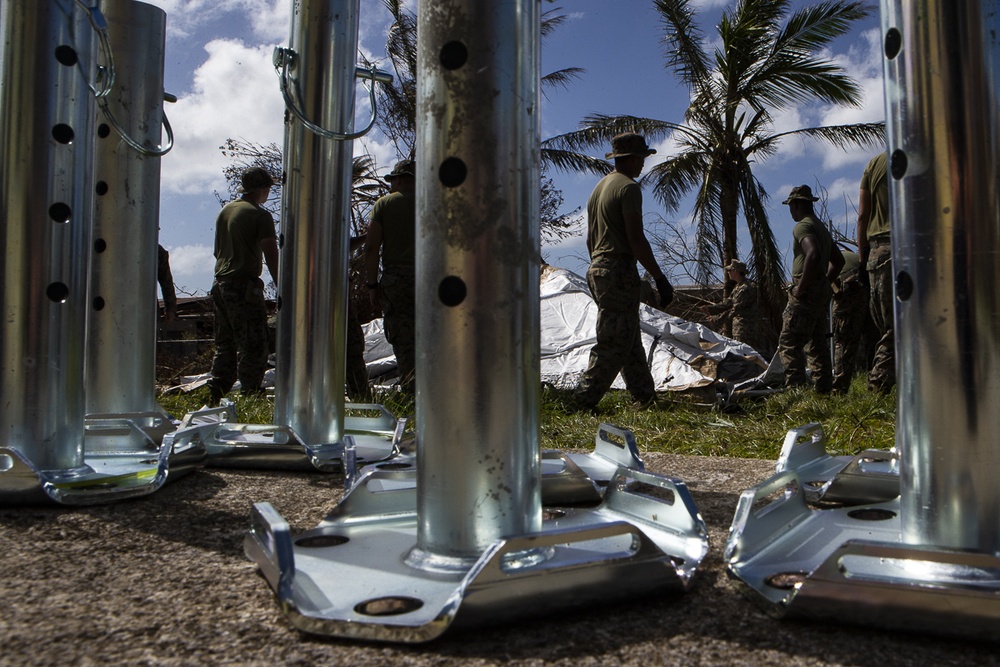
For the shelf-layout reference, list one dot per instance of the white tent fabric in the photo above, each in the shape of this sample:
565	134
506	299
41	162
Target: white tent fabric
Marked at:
682	354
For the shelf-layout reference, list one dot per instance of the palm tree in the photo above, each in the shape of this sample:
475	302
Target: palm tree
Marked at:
766	60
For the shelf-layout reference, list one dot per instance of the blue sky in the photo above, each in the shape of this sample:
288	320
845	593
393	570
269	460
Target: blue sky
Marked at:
218	63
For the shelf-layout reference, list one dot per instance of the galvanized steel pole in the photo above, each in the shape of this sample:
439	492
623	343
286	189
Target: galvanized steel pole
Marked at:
315	223
942	66
121	325
477	316
46	165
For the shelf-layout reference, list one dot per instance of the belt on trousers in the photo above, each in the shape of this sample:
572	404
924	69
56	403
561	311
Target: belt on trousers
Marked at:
876	241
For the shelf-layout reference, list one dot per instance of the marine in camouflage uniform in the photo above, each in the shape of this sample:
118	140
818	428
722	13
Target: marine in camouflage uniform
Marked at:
805	321
741	310
244	238
392	238
875	246
616	241
850	310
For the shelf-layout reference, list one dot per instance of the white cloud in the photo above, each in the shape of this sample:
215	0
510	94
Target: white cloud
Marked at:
236	95
193	267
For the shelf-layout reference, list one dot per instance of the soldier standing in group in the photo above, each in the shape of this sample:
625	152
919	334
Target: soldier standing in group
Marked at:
615	241
741	310
356	371
244	239
876	254
805	322
392	236
850	310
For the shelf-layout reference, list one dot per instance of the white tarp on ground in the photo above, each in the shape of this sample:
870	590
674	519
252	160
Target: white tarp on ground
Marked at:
682	355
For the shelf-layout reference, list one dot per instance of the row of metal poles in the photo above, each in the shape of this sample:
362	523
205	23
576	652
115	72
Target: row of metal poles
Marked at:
460	534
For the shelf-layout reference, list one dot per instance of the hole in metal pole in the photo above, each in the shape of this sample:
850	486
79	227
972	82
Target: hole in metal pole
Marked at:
98	303
898	164
388	606
893	43
101	188
454	55
452	172
62	133
6	462
66	55
904	286
100	245
103	130
452	291
57	292
320	541
785	580
871	514
60	212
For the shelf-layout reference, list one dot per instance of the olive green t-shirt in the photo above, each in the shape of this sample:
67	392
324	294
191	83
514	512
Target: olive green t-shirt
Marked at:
615	195
809	226
239	229
396	212
874	181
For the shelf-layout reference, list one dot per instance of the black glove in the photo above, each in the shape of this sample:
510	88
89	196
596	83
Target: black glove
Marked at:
666	291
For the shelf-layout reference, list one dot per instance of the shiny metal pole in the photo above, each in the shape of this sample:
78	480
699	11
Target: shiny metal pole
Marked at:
942	69
312	290
477	319
46	165
121	324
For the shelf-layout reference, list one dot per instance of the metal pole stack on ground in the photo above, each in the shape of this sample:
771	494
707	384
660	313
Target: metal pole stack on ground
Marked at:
50	88
473	544
928	559
317	76
121	324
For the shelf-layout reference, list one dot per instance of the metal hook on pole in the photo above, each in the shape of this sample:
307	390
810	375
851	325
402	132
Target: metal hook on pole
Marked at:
105	73
159	151
285	59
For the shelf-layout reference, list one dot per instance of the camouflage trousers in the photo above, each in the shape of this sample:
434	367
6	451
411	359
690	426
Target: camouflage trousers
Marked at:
356	371
882	375
614	284
850	309
241	344
804	327
399	315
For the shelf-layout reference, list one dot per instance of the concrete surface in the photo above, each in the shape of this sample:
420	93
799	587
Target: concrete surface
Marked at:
162	580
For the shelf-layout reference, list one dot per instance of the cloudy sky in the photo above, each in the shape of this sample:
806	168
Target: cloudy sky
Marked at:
218	64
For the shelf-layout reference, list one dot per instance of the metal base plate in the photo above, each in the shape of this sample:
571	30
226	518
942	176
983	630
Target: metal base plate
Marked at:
349	577
229	444
869	477
849	564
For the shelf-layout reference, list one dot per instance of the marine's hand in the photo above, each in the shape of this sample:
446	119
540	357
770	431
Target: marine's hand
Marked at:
666	291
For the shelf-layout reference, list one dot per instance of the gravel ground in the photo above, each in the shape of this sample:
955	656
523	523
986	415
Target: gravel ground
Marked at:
162	580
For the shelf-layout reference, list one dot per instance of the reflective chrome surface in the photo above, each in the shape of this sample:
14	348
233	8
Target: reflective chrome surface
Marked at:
121	323
315	225
46	170
477	273
944	140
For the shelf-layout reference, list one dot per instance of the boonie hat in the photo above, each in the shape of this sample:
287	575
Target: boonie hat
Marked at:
629	143
255	178
406	167
801	192
736	265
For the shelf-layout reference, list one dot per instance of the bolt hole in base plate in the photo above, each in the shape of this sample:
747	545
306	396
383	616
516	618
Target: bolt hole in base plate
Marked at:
321	541
871	514
786	580
388	606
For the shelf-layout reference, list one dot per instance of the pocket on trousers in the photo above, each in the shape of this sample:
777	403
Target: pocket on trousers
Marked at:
255	291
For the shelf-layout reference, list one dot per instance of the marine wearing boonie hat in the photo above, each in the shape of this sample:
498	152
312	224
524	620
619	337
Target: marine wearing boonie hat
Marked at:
402	168
255	178
803	192
736	265
629	143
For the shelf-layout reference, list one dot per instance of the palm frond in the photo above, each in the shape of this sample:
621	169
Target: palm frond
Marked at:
572	161
858	135
682	41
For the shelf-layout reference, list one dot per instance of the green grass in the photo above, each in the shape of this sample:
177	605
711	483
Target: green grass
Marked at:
680	424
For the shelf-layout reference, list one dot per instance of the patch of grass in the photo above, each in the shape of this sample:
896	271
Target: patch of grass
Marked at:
677	423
